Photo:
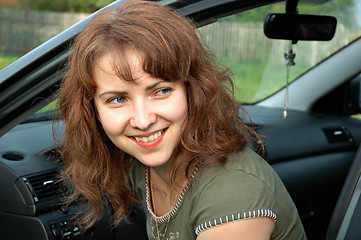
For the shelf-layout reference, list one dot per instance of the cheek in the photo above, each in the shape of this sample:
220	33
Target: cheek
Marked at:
113	123
182	104
181	112
177	111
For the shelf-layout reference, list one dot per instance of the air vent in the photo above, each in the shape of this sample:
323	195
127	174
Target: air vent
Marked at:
337	135
43	186
12	156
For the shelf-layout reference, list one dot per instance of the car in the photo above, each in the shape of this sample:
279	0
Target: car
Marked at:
302	95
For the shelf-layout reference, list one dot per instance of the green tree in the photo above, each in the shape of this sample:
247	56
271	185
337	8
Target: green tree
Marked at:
87	6
343	9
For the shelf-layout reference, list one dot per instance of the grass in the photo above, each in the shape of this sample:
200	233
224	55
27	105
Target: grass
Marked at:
6	60
50	107
255	81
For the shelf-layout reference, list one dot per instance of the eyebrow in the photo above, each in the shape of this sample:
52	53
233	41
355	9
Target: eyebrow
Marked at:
153	86
150	87
111	93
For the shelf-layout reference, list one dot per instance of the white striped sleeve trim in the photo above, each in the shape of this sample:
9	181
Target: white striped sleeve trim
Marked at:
234	217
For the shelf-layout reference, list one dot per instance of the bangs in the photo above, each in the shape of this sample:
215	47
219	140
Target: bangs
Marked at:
166	54
154	61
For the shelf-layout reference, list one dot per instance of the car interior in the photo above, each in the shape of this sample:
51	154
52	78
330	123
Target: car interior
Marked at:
314	148
345	220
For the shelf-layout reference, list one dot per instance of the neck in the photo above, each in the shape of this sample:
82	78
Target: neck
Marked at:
163	173
163	183
164	194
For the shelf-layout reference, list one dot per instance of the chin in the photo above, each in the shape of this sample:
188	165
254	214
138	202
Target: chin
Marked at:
154	161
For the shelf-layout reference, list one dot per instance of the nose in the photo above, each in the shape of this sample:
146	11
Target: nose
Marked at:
143	115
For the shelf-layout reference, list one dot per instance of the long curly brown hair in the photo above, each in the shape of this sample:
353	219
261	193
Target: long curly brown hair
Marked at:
172	51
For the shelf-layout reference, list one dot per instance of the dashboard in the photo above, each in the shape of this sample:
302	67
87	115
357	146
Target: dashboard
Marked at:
310	152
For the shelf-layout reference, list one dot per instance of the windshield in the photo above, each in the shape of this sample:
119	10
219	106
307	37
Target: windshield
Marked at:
258	63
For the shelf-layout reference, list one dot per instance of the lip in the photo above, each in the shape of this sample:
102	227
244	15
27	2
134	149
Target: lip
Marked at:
150	144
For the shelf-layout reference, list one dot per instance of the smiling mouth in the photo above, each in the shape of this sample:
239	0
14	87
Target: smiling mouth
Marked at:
152	137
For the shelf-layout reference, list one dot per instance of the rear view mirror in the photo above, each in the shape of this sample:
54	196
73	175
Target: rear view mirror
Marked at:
299	27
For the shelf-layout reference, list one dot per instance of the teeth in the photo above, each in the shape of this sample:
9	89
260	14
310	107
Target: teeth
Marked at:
150	138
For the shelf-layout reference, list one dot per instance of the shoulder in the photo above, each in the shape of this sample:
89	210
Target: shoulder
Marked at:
240	189
245	188
241	171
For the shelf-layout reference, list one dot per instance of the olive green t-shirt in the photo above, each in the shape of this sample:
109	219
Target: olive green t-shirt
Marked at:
245	187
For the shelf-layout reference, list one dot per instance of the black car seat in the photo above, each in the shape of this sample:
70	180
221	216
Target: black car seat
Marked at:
346	219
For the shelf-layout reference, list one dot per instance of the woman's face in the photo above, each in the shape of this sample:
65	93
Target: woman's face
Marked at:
143	117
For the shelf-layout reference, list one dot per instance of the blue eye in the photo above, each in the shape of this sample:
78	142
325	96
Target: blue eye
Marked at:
163	91
117	100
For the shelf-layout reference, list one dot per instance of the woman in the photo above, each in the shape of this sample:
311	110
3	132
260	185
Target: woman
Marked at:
148	112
